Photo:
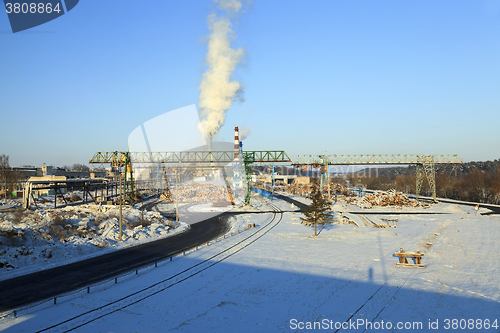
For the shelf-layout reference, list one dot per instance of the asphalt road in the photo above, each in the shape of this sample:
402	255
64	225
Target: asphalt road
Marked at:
299	204
23	290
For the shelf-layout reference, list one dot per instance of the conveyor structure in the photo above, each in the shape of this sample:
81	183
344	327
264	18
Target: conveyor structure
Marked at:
425	163
192	157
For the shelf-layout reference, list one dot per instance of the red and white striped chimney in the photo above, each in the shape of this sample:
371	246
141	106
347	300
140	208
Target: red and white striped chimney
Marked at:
236	143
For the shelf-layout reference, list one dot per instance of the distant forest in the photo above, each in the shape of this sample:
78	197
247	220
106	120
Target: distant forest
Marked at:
471	181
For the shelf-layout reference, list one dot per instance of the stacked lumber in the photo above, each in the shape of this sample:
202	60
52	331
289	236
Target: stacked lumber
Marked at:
299	189
383	199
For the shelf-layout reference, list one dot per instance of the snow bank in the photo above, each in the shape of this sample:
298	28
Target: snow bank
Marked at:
34	240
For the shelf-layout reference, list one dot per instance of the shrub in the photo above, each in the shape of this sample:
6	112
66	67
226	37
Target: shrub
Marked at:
75	197
146	223
58	223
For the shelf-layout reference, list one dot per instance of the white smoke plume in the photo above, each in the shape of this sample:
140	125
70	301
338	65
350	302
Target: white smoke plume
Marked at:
244	133
229	5
218	88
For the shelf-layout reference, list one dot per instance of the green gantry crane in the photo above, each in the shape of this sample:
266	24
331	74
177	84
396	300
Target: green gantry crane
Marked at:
192	157
425	163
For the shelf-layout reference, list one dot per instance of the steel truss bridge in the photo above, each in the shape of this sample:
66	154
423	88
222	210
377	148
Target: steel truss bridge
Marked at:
190	159
425	163
263	156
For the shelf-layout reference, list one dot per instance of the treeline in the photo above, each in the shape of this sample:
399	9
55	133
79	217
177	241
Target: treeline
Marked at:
472	181
7	176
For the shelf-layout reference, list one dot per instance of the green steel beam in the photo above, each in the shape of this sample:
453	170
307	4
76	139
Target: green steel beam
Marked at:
192	156
425	164
376	159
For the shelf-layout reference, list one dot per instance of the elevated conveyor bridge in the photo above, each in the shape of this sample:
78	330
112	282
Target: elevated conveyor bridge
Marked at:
191	159
263	156
425	163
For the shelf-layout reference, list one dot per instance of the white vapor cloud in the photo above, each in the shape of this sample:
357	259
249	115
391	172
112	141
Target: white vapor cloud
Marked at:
244	132
218	88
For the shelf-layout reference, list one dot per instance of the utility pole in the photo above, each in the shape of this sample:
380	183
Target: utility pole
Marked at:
115	162
4	165
176	200
328	178
272	183
120	180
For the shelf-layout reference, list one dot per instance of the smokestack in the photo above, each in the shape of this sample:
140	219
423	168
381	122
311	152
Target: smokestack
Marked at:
209	141
236	143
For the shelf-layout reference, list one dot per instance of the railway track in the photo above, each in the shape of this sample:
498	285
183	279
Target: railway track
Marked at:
102	311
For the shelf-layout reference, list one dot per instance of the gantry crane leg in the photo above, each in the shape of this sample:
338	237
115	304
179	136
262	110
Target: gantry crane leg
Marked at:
426	166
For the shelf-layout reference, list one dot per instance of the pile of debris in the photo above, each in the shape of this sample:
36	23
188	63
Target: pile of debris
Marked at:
389	198
196	192
299	189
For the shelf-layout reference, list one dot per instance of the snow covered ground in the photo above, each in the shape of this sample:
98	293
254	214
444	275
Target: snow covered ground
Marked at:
289	280
47	237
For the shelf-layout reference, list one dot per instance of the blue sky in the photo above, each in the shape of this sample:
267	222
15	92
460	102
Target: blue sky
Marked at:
345	77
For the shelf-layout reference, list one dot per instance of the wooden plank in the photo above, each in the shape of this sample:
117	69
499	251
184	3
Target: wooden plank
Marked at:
409	254
410	265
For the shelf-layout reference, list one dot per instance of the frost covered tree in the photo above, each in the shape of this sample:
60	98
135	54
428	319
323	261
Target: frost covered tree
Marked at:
318	212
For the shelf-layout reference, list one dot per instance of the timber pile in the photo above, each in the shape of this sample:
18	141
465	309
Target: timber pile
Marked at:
341	190
389	198
195	192
299	189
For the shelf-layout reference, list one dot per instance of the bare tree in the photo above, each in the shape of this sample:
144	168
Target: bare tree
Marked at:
496	187
4	170
80	167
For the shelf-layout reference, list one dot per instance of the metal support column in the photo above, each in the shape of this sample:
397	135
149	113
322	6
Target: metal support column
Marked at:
328	180
272	182
426	166
248	159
